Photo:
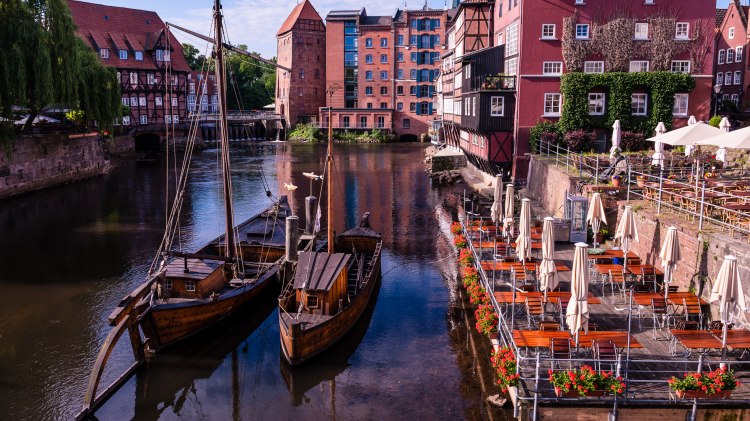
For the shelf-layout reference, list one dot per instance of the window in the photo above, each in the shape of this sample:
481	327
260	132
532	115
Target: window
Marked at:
168	119
680	107
735	99
412	90
134	101
413	40
400	40
721	57
383	42
139	55
301	72
497	106
312	301
638	104
383	75
720	78
159	55
168	284
412	106
104	52
317	73
593	67
413	57
474	139
189	285
681	30
368	42
381	121
368	59
125	101
384	58
383	90
383	105
126	120
596	103
406	123
368	90
681	66
142	101
638	66
730	55
400	106
580	2
144	120
399	90
738	55
345	121
369	105
157	101
150	79
175	80
511	40
167	55
737	77
123	54
548	31
400	74
728	78
363	121
400	57
174	101
641	30
368	75
582	31
731	33
474	106
552	68
552	104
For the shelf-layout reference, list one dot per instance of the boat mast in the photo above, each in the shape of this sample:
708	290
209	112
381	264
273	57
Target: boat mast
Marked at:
226	172
329	169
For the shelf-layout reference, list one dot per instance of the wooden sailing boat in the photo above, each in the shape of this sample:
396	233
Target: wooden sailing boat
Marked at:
330	290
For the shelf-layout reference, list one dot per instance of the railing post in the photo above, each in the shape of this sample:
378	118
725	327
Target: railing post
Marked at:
627	197
661	182
580	166
557	154
596	180
535	415
703	201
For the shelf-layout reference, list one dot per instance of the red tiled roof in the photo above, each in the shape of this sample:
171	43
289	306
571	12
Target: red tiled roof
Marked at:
720	16
304	10
110	27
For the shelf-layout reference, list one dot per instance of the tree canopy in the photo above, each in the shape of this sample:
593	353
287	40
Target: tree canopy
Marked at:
43	63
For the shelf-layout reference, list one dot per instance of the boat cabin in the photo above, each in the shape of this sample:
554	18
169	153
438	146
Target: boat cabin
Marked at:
320	282
194	278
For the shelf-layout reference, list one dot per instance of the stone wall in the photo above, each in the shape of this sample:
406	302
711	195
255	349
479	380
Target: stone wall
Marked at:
121	145
34	163
548	184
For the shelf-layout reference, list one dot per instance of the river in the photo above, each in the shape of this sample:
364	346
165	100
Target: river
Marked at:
69	254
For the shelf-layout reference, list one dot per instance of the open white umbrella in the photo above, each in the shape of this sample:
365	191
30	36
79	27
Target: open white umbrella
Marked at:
595	214
616	135
727	292
577	314
523	242
496	212
739	139
658	157
547	271
627	232
691	122
687	135
721	153
670	255
509	211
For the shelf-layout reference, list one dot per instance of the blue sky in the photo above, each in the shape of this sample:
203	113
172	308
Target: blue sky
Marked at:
255	22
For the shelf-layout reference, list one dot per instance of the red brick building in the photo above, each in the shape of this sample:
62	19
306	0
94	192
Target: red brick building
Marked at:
730	72
532	33
301	43
153	72
381	70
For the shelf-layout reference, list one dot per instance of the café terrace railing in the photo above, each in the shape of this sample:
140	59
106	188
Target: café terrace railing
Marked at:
645	378
674	187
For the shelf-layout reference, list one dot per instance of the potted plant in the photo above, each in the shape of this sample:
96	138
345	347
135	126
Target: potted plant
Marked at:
599	237
459	241
616	179
717	384
469	276
486	319
504	362
641	180
465	257
456	228
585	382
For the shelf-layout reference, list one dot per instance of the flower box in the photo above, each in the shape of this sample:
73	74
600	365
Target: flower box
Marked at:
699	394
573	394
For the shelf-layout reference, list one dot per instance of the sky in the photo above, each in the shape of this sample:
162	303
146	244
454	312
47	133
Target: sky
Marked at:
255	22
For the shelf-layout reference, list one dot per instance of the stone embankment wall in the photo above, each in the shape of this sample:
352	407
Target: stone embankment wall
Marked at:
121	145
34	163
548	184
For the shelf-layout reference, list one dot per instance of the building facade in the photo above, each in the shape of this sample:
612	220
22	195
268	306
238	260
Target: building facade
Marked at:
301	44
152	70
544	39
730	72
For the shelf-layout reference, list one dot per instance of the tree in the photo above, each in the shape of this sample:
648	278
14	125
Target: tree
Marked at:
252	83
195	60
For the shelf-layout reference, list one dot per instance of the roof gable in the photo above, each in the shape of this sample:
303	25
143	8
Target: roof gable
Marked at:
316	271
304	10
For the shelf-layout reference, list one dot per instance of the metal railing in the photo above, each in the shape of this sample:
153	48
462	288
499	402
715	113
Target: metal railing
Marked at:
493	83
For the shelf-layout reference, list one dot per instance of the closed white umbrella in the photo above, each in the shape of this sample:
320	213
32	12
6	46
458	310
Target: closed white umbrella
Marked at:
616	136
627	232
577	314
547	271
727	292
691	122
496	212
523	242
595	214
658	157
509	211
721	153
670	255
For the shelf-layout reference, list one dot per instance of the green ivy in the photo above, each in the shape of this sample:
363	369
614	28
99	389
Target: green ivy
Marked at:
660	87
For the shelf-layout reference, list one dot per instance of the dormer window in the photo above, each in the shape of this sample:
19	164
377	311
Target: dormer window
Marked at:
123	54
139	55
159	55
104	52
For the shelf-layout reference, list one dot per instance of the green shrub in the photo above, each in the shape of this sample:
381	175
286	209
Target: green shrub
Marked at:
546	131
715	121
633	141
579	140
306	133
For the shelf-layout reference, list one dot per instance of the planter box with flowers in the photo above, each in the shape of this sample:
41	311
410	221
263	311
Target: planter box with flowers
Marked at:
456	228
717	384
486	319
465	257
504	362
585	382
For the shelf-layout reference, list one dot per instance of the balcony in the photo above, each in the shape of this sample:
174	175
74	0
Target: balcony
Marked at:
492	83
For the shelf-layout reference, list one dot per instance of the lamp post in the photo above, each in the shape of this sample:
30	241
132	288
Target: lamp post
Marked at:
717	91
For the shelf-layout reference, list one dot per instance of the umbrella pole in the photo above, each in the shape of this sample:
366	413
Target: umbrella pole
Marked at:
724	340
630	320
513	306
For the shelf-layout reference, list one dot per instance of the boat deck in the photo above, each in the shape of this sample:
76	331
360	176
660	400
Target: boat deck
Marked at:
306	319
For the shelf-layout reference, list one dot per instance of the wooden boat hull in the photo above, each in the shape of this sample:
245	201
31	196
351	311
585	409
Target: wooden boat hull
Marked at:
299	344
166	323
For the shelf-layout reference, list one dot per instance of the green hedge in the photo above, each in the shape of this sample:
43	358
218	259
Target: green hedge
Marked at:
660	87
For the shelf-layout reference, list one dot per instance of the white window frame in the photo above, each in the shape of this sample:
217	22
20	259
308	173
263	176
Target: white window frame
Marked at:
641	31
680	66
552	68
143	119
141	101
133	101
123	54
139	55
680	107
474	106
159	55
727	78
552	98
497	106
730	56
150	79
579	34
738	54
597	97
731	33
720	78
126	101
588	64
682	30
549	31
168	284
158	102
189	286
722	54
104	52
639	66
126	120
737	77
174	101
637	97
167	118
735	98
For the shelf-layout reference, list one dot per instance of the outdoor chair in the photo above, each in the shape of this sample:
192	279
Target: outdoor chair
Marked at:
616	279
693	309
528	288
642	289
718	325
661	314
648	277
593	327
562	307
559	349
534	309
604	351
549	326
671	288
687	325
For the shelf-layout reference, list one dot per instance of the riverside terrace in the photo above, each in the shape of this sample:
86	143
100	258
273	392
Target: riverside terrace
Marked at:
664	341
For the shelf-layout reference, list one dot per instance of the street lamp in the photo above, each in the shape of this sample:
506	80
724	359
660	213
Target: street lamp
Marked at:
717	91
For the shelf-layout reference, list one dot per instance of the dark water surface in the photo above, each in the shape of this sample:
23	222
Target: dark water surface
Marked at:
68	255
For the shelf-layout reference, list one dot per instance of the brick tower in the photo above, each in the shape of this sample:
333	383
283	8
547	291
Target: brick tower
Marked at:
300	46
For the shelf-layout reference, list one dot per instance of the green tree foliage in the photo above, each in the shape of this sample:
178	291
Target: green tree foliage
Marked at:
43	63
194	59
715	121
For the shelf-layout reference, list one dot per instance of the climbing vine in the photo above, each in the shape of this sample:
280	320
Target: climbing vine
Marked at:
618	87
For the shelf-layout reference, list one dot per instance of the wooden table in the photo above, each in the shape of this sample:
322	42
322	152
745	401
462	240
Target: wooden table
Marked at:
506	297
644	298
611	254
507	266
605	268
677	297
693	339
541	338
535	245
736	339
636	269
